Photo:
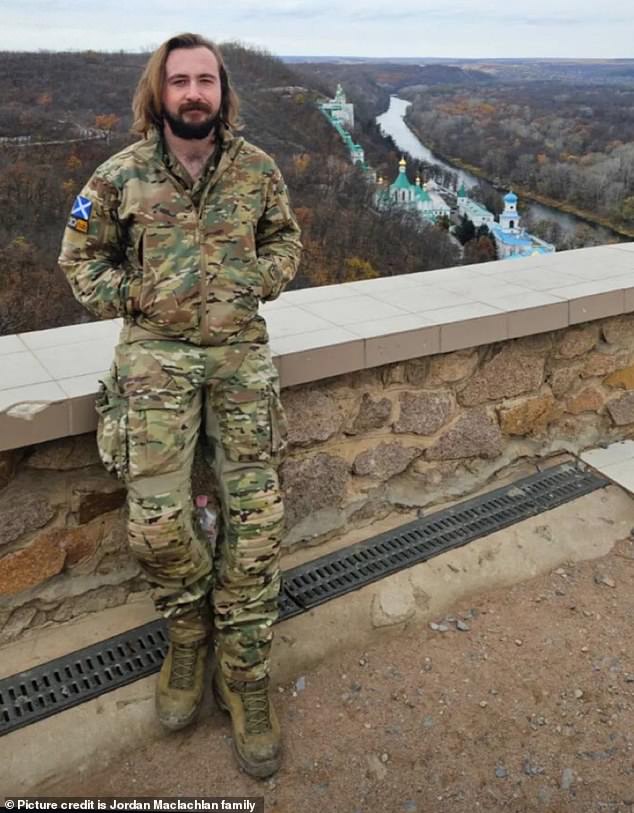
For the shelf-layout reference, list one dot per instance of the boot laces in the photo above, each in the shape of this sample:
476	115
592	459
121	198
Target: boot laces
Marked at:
183	662
256	709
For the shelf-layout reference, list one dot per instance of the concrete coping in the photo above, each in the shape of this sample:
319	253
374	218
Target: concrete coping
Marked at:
51	376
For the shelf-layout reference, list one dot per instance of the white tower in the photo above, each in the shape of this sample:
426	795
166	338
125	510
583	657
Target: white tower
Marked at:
509	219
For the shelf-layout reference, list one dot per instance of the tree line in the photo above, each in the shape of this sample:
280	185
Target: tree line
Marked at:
573	144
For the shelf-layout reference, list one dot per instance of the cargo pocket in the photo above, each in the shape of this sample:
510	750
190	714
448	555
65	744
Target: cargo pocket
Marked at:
254	426
245	423
112	427
156	436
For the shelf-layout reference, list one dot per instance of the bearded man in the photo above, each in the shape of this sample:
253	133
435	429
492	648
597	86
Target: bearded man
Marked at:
183	234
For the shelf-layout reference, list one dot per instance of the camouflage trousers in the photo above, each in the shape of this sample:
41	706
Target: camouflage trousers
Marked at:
159	398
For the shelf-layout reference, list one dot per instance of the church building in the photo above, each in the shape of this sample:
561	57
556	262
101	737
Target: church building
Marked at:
423	199
510	239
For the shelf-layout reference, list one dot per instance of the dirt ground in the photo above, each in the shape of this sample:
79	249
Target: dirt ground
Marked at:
522	700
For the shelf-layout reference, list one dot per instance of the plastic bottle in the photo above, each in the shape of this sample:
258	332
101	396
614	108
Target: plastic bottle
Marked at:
207	519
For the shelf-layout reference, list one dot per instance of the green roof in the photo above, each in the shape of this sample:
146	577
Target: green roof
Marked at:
401	182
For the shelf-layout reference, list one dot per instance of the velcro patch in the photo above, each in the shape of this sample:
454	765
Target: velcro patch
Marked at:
78	224
82	207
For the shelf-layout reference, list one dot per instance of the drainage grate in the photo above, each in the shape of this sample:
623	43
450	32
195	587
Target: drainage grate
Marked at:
335	574
87	673
80	676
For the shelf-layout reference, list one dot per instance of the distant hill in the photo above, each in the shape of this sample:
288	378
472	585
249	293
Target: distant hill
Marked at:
371	83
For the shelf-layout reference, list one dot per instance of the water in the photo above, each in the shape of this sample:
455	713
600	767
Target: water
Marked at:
391	123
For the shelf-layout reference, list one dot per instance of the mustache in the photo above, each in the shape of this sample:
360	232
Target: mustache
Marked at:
203	108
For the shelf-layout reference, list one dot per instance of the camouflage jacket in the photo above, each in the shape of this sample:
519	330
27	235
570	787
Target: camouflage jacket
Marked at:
136	244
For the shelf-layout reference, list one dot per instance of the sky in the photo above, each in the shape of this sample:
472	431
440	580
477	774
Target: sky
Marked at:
372	28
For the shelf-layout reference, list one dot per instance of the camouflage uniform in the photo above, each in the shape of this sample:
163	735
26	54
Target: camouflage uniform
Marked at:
186	265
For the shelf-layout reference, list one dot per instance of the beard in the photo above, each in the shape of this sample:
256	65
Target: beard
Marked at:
191	130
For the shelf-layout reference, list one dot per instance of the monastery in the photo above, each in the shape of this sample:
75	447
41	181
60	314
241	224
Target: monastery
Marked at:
425	199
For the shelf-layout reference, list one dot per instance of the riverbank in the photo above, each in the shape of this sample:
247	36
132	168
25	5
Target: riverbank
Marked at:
567	208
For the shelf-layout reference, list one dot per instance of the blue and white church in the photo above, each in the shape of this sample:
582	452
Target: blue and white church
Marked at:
510	238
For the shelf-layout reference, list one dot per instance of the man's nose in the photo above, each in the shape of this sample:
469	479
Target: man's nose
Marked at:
193	91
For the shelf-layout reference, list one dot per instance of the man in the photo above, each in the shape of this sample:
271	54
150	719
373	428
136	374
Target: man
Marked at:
182	234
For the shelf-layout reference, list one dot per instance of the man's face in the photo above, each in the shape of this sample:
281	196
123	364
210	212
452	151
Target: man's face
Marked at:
191	93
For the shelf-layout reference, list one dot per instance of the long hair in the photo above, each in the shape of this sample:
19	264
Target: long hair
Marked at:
147	104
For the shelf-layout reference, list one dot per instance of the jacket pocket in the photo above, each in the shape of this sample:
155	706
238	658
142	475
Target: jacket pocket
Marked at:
112	427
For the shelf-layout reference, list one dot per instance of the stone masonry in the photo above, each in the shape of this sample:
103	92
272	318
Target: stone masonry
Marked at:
362	446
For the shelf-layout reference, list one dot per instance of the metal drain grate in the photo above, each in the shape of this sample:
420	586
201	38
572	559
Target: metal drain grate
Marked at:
80	676
330	576
87	673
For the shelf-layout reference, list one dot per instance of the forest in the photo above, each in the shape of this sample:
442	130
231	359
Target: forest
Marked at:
62	114
572	144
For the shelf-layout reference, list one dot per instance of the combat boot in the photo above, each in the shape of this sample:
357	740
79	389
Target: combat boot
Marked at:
256	729
181	682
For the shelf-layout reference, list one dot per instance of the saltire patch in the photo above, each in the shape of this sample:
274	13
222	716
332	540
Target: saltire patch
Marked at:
82	207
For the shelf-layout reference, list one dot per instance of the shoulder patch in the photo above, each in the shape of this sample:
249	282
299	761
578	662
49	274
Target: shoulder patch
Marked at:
82	207
78	224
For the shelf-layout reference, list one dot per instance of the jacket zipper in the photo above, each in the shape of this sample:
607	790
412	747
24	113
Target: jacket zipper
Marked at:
226	157
204	325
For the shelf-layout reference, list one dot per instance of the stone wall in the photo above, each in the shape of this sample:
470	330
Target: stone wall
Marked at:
362	446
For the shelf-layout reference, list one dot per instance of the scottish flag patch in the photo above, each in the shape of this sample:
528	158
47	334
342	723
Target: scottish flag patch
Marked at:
82	208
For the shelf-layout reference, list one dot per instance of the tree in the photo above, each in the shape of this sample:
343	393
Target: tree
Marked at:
480	250
465	230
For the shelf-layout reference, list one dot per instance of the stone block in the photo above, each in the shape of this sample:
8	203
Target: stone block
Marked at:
474	434
80	543
599	364
371	511
618	330
417	371
621	379
424	413
66	453
508	374
18	621
577	341
319	481
100	599
622	409
540	344
313	416
22	513
372	415
453	367
385	460
31	565
563	376
527	415
393	374
9	461
96	496
589	399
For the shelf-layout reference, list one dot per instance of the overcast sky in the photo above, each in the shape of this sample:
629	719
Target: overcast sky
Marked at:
448	28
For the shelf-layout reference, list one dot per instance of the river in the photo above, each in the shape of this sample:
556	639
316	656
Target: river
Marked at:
392	123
